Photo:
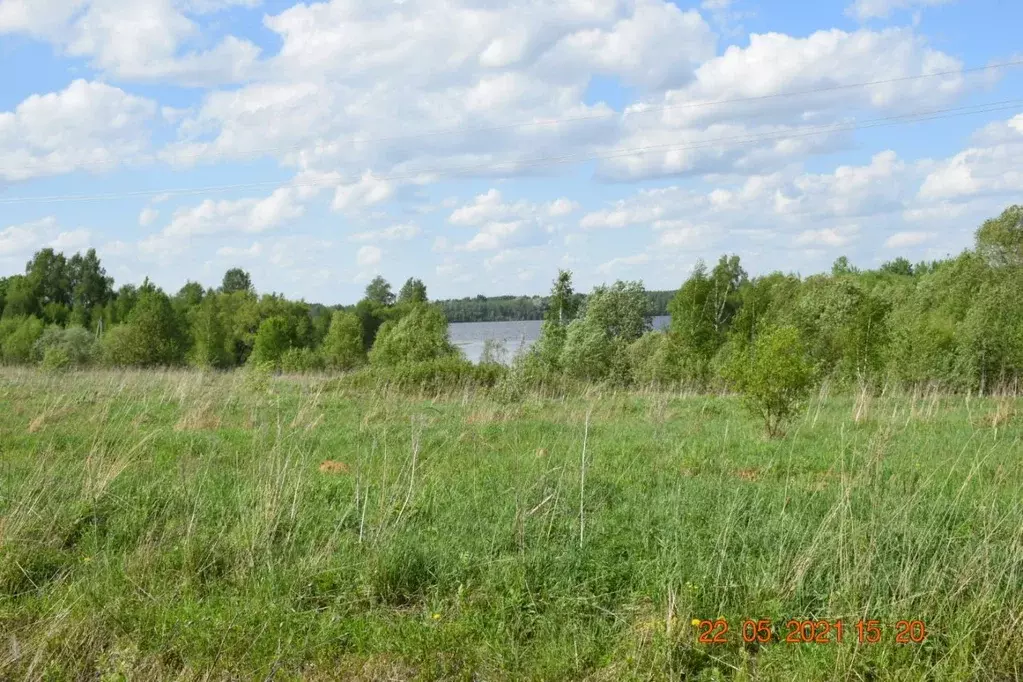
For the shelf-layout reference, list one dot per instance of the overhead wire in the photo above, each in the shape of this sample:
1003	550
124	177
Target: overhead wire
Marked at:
900	119
559	121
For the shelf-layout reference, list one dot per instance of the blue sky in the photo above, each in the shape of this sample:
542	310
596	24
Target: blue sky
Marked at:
482	146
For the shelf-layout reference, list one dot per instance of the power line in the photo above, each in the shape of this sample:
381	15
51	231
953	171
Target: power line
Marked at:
901	119
587	117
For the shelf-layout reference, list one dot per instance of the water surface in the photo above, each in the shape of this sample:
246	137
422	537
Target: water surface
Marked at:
470	336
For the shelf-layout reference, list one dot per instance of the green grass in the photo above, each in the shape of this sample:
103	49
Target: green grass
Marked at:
178	526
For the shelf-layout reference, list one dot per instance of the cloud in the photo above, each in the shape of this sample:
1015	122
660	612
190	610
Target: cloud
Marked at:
369	190
239	215
148	216
369	256
828	237
145	40
491	207
402	232
20	241
704	130
881	9
87	126
979	170
901	240
624	261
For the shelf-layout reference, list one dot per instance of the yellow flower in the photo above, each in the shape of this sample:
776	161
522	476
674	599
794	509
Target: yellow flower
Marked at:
696	622
436	616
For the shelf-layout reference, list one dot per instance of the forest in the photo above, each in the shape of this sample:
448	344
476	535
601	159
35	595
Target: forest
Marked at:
956	323
514	308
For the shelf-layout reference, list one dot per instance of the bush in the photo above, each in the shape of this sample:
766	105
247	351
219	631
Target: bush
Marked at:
17	338
77	344
343	345
56	358
419	336
301	360
653	360
272	341
773	376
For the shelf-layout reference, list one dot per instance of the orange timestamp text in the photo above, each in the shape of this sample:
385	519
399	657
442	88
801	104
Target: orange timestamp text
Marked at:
804	631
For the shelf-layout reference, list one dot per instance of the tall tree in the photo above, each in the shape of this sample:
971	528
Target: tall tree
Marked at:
236	279
412	291
90	286
379	291
1000	240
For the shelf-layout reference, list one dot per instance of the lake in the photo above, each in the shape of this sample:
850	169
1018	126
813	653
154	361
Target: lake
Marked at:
470	336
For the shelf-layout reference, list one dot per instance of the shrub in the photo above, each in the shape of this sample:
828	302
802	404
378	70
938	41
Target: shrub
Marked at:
17	337
272	341
300	360
75	343
653	359
56	358
419	336
343	345
773	376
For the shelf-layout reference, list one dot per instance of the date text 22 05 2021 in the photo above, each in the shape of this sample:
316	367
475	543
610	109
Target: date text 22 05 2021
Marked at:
797	631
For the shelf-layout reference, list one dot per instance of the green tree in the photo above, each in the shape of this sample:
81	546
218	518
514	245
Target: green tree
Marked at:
236	280
378	291
209	337
420	335
151	337
273	340
596	345
20	297
773	376
342	347
17	338
412	291
1000	240
91	288
547	350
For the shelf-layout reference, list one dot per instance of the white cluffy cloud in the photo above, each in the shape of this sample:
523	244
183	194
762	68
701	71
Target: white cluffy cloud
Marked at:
881	9
502	224
18	242
87	126
142	40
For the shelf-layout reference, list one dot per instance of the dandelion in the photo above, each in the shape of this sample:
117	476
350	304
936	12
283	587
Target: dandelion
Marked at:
436	616
696	622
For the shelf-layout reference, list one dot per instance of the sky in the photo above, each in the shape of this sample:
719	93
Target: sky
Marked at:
481	146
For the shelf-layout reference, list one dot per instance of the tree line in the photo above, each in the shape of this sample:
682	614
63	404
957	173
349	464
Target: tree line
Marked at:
482	308
956	323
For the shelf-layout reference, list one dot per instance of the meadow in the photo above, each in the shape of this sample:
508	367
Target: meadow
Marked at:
188	525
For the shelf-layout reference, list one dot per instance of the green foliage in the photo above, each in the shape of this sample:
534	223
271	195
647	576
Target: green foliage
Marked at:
1000	240
237	280
343	346
273	340
18	336
76	344
55	359
378	291
773	376
209	336
152	336
596	344
412	291
420	335
653	359
301	360
702	314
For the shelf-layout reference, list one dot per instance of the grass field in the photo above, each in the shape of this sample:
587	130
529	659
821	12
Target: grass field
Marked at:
188	526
